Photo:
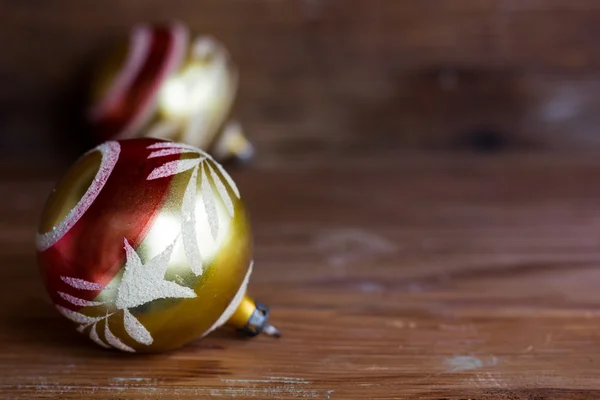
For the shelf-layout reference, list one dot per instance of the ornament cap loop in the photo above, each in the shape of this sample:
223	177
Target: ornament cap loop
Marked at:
251	318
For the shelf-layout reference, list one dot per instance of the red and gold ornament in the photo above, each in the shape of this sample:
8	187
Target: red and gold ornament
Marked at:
146	245
162	83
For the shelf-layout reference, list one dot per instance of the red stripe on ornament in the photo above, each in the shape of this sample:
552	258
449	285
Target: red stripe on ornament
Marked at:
139	48
135	106
92	250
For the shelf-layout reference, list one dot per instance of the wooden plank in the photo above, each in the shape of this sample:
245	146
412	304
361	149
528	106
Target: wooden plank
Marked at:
426	278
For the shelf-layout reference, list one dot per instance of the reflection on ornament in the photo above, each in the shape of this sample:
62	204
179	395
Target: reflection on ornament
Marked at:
146	244
164	84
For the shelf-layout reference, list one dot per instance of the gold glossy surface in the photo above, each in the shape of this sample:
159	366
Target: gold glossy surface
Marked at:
107	69
69	191
203	89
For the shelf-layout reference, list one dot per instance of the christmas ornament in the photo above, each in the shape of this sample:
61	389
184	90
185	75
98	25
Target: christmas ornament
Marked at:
164	84
146	245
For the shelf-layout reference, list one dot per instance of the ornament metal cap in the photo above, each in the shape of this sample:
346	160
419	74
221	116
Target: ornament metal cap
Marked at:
251	318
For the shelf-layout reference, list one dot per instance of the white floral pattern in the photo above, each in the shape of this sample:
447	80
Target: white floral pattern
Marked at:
143	283
140	284
198	165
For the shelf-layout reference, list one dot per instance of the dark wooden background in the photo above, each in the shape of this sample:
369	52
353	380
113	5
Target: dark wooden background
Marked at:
332	77
425	198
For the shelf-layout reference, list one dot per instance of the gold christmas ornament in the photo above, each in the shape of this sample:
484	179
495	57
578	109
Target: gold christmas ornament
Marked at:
164	84
146	245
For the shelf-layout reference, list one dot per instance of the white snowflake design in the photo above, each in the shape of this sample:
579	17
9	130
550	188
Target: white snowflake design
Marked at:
143	283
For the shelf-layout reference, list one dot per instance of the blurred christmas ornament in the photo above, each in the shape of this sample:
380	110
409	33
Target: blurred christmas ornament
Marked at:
162	84
146	245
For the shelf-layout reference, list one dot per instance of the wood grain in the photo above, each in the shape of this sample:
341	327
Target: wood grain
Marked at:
427	278
328	78
424	199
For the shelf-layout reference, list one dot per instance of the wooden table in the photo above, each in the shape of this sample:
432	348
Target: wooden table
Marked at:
447	277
